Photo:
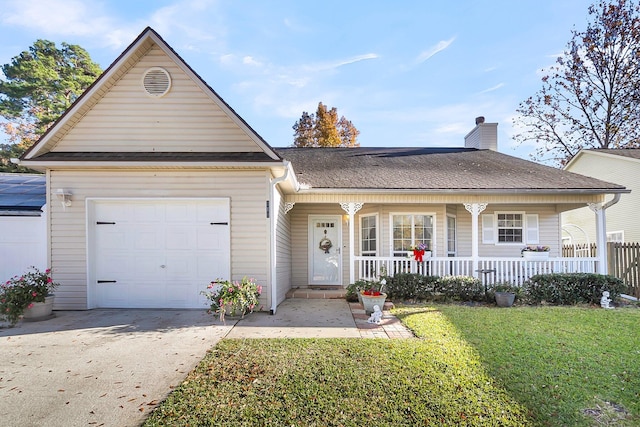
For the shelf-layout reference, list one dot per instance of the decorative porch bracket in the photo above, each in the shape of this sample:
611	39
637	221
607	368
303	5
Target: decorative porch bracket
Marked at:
475	209
351	208
288	206
601	236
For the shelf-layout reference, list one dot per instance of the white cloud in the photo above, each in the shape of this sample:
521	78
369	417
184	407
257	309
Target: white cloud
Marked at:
249	60
325	66
491	89
438	47
63	17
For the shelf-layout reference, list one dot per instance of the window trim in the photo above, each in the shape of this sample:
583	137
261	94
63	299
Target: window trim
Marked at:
377	225
433	229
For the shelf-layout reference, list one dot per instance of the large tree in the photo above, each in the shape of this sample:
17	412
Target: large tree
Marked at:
590	98
36	88
324	129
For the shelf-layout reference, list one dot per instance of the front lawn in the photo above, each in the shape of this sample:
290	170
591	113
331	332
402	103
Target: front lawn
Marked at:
472	367
568	365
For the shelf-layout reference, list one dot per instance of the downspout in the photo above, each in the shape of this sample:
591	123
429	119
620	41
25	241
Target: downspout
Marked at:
601	233
273	241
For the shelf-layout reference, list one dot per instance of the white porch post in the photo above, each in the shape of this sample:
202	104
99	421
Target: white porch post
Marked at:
351	208
601	236
475	209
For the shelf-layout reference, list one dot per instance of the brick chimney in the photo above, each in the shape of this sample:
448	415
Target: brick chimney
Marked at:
483	137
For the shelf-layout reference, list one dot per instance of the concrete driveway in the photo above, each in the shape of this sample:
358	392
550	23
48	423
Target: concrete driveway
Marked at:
99	367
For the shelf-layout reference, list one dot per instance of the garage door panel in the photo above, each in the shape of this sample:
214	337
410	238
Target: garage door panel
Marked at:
161	254
180	237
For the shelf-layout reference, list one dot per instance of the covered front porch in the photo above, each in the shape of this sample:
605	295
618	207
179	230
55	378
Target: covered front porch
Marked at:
477	239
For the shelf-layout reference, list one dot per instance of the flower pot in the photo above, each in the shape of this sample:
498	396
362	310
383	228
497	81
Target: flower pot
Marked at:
368	301
505	299
535	256
39	310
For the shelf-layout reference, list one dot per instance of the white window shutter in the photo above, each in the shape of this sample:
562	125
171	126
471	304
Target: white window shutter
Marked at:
488	229
532	232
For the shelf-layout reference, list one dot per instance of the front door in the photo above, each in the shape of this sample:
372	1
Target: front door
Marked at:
325	250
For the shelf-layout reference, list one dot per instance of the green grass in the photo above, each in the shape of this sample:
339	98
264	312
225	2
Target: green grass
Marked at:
568	365
472	367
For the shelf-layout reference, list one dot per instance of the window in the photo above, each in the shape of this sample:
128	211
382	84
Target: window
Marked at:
510	228
615	236
451	236
368	234
410	230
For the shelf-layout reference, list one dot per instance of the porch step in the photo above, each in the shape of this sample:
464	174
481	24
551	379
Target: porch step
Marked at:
317	293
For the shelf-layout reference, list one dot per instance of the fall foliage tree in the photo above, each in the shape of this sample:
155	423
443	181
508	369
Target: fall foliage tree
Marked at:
324	129
590	98
35	89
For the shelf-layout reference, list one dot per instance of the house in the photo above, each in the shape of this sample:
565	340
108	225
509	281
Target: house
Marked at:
615	165
163	187
23	226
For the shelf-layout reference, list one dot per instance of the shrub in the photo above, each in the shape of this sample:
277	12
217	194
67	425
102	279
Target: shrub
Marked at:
571	288
460	288
411	286
353	289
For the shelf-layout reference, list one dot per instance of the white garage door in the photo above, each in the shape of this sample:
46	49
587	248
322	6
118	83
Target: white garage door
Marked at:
158	253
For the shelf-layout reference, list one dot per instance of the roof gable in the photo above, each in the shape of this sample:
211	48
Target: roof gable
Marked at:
625	154
116	115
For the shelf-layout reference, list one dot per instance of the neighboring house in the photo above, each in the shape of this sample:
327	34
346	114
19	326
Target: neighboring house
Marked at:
165	187
23	225
621	166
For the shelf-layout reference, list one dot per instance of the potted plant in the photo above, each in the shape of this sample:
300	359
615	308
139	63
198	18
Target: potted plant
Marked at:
535	252
505	294
29	296
232	298
373	296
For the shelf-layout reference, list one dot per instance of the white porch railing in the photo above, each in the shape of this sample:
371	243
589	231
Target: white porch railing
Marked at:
490	270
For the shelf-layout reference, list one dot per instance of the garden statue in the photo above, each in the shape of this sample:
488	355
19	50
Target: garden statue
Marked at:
605	300
376	316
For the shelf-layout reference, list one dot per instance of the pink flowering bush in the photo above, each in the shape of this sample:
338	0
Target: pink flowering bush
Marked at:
20	292
233	298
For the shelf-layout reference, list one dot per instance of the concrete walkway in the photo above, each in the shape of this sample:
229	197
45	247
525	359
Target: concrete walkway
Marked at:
318	318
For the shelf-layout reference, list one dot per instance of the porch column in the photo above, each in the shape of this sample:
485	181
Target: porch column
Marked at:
475	209
601	236
351	208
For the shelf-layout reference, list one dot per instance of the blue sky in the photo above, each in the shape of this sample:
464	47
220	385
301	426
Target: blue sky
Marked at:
406	73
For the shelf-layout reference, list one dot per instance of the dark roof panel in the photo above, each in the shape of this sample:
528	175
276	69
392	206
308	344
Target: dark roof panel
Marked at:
67	156
22	191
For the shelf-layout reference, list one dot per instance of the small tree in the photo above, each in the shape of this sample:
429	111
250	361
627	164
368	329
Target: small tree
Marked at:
324	129
591	97
37	87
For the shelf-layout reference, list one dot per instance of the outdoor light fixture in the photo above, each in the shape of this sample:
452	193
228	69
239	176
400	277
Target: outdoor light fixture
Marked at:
64	196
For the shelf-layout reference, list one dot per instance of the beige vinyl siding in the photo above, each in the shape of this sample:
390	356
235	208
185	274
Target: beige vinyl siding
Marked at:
186	119
247	191
548	231
621	216
283	251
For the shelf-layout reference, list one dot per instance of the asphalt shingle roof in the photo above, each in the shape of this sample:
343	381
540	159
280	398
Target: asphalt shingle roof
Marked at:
430	169
633	153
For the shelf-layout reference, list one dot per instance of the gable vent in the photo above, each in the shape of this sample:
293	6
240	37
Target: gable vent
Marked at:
156	82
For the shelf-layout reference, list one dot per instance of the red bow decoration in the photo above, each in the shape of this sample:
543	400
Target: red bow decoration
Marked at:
418	254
